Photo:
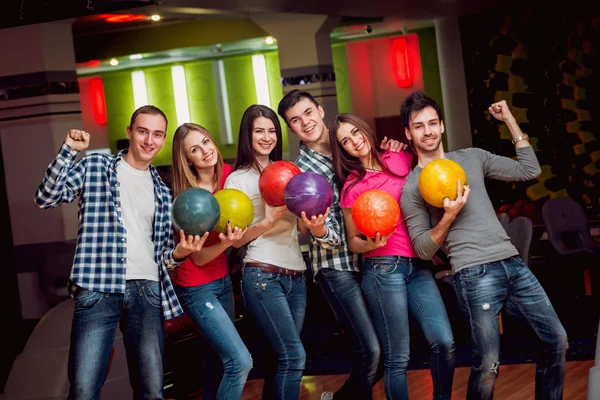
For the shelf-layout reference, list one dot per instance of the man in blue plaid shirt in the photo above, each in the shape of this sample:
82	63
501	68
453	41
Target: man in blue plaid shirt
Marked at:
124	247
334	266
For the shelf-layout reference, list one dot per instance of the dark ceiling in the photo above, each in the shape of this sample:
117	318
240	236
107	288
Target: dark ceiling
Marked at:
88	21
24	12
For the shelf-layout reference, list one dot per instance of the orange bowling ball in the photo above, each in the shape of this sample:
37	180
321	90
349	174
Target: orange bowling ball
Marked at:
438	180
375	211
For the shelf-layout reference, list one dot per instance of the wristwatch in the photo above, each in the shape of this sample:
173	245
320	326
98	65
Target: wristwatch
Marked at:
522	137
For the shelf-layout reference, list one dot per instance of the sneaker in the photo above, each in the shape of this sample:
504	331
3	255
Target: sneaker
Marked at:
327	396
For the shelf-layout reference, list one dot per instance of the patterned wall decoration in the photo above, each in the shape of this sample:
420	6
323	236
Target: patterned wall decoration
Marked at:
543	65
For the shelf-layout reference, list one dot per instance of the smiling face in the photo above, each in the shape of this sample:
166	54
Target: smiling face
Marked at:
264	136
146	137
305	119
353	140
200	151
425	130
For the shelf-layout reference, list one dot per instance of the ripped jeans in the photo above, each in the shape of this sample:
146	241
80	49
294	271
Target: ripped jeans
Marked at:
508	285
227	362
278	303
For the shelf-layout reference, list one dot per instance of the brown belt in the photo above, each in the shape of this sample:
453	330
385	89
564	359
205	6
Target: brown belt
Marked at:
275	270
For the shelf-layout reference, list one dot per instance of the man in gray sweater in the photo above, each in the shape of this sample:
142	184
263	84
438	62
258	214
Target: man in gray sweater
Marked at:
489	275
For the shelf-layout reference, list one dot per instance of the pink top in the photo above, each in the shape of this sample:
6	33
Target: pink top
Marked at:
398	244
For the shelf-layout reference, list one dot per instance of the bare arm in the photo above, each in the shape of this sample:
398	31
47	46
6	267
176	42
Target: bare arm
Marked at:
272	215
355	241
207	254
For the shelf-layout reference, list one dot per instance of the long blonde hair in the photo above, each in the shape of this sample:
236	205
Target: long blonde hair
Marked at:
184	174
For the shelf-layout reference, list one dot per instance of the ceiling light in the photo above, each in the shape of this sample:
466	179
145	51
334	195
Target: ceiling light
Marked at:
269	40
155	17
136	57
114	62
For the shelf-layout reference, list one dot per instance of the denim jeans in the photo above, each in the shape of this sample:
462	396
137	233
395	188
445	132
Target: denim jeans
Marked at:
508	285
211	307
138	312
393	287
278	304
343	292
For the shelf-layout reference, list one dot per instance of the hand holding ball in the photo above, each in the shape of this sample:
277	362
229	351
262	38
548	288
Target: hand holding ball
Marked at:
375	211
438	180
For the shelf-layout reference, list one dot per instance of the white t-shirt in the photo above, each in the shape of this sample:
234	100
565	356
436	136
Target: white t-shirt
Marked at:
278	246
137	210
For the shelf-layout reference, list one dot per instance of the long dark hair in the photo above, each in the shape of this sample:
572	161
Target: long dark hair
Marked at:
347	166
245	154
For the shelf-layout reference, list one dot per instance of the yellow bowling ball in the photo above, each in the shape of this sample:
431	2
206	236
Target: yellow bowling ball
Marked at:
236	207
438	180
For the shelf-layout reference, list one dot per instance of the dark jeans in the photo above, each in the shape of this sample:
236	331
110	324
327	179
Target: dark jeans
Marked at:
508	285
393	287
343	292
211	307
278	304
138	312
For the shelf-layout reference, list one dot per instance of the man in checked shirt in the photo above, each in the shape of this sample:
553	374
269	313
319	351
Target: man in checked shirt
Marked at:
125	246
334	266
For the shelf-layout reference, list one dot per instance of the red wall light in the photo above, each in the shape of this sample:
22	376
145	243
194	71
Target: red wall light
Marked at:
400	59
116	18
98	101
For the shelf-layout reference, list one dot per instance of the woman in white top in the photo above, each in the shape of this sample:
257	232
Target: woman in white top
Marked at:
273	281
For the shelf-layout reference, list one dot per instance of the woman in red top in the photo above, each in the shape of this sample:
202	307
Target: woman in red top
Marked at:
202	281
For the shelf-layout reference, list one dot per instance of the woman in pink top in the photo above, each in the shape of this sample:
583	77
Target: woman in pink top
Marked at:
202	282
395	281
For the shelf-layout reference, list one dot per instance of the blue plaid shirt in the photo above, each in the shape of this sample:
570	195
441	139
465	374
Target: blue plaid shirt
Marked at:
330	251
100	262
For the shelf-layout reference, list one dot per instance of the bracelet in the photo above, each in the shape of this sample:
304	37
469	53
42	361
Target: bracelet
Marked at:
522	137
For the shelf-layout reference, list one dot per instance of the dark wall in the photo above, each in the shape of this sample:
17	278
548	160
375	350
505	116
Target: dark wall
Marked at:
545	64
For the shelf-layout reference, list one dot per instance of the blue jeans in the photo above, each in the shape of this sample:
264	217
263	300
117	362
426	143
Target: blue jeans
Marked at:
211	307
343	292
508	285
95	320
278	304
393	287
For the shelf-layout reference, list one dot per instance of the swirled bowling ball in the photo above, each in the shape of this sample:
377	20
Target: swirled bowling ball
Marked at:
375	211
195	211
273	180
438	180
308	192
236	207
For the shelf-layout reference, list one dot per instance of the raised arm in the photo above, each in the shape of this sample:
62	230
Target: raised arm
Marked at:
526	166
64	178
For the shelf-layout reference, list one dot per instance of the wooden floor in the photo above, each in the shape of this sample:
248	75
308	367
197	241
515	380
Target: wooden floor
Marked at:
516	382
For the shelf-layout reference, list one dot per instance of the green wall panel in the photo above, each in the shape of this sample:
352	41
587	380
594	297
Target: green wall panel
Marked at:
160	94
202	98
118	94
342	83
240	89
275	90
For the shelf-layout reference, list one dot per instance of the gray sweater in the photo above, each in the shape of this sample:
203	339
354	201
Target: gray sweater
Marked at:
476	236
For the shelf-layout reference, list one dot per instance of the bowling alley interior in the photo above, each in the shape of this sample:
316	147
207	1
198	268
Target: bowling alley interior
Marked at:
89	67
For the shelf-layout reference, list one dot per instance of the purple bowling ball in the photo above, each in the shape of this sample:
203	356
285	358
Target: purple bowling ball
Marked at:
308	192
